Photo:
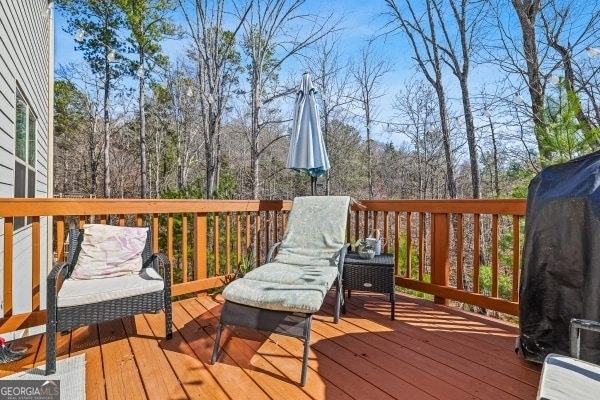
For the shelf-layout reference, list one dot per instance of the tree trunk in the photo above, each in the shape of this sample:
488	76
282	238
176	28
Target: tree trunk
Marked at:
143	159
527	11
495	166
470	128
106	127
450	181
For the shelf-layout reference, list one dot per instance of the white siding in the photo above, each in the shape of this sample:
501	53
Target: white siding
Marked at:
25	60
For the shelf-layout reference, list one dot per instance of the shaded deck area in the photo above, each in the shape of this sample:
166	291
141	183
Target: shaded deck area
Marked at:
428	352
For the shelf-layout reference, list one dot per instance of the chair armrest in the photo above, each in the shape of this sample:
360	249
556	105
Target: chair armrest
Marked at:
164	260
343	252
58	270
575	333
271	251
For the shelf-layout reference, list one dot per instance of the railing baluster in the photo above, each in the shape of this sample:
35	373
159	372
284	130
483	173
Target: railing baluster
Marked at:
200	230
516	259
184	247
8	266
216	249
238	226
267	231
60	238
227	243
248	227
421	245
476	252
459	252
409	245
495	255
276	227
257	236
396	243
356	225
386	232
170	241
155	233
35	261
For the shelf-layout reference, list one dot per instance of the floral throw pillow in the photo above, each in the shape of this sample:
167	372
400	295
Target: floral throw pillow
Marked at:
108	251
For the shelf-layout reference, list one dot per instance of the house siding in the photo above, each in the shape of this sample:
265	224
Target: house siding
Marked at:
26	59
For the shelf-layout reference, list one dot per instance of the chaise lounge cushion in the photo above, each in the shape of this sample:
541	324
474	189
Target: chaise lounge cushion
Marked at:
291	274
275	296
314	234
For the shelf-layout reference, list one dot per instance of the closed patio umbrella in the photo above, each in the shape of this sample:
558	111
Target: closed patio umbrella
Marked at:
307	148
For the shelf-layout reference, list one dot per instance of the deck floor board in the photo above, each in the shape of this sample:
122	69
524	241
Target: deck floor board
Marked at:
428	352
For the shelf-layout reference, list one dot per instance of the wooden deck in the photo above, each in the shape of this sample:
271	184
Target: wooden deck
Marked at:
428	352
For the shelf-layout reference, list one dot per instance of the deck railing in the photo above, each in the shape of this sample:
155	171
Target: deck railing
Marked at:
434	242
468	251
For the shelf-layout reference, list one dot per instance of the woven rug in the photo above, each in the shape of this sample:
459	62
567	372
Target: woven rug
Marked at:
69	371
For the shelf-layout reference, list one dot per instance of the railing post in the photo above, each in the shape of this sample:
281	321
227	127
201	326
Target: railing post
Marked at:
440	261
200	230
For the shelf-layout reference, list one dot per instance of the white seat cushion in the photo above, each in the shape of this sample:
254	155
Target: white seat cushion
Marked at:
75	292
568	378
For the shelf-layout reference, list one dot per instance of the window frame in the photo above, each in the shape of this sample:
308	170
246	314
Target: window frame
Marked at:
25	154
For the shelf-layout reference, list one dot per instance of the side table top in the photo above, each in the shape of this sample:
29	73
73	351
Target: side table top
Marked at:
353	258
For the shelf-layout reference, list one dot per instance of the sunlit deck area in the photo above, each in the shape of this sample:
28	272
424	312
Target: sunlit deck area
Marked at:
428	352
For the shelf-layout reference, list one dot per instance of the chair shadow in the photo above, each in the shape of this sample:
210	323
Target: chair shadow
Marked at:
238	346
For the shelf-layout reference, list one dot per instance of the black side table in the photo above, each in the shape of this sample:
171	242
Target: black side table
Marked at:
374	275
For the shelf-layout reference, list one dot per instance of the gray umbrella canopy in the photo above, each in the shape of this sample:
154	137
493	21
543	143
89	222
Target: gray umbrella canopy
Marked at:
307	148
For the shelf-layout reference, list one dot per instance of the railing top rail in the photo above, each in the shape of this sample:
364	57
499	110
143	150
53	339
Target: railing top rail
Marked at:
53	207
457	206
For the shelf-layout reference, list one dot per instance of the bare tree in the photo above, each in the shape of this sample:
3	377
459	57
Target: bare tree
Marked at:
78	136
331	75
417	105
218	67
184	114
459	35
275	31
421	32
368	72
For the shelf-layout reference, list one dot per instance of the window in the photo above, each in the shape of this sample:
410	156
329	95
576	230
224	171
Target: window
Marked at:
25	141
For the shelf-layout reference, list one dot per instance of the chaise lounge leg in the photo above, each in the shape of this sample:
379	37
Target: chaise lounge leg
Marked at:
339	295
213	359
306	350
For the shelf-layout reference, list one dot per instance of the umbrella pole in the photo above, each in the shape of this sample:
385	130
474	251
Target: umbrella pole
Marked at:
313	185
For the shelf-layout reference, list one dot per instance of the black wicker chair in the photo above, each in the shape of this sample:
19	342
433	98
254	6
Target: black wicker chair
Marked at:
65	318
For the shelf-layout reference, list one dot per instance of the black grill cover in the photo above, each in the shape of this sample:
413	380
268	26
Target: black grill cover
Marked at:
560	278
